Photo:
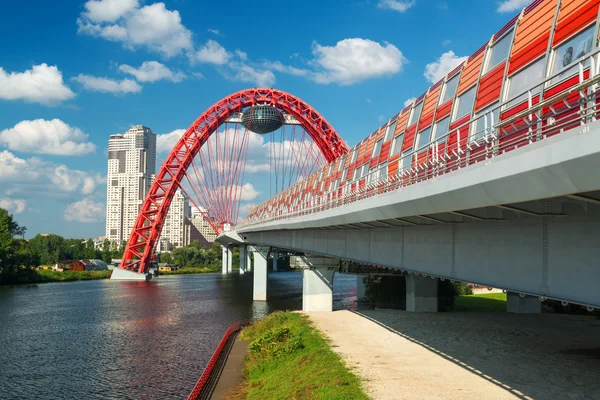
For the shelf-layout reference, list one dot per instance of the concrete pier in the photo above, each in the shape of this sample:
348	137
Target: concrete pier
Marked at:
421	293
317	283
260	274
248	260
275	258
522	305
361	287
243	260
229	260
225	257
119	274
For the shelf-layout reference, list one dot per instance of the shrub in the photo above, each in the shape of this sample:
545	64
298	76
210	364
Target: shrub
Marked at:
277	343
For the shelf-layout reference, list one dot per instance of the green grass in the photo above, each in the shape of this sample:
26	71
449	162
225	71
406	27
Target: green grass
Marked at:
26	276
290	359
495	302
190	270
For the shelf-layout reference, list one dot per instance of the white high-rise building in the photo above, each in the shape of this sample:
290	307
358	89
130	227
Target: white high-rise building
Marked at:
131	169
202	225
176	228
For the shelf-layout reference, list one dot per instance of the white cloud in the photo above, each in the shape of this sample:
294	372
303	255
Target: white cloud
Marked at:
166	141
512	5
35	177
243	72
15	206
152	26
42	84
46	137
279	67
446	63
249	193
408	102
85	211
152	71
212	53
215	32
396	5
107	85
446	42
108	10
241	55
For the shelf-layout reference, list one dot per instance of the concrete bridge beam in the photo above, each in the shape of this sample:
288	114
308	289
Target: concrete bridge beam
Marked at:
522	305
421	294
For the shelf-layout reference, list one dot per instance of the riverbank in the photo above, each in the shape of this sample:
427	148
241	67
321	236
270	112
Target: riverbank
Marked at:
31	276
289	358
191	270
462	355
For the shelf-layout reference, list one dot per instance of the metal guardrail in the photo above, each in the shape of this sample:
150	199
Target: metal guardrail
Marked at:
575	106
203	388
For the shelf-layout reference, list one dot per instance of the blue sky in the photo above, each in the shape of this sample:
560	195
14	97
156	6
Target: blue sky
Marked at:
73	74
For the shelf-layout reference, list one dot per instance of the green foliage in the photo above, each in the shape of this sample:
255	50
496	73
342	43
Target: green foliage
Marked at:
43	276
487	302
195	256
289	359
15	254
190	270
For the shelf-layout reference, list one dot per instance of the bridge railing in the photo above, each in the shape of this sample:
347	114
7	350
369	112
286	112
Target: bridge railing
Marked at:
572	101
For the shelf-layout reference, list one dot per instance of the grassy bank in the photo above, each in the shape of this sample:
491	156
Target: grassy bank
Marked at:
190	270
289	359
481	302
44	276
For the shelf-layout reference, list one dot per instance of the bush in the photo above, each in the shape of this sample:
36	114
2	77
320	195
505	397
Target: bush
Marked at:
277	342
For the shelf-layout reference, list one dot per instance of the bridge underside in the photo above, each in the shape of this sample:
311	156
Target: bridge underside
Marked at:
527	221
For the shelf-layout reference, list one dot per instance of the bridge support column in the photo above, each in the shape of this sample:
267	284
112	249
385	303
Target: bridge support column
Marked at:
225	257
119	274
421	294
317	283
522	305
260	274
275	257
242	260
229	259
361	287
248	259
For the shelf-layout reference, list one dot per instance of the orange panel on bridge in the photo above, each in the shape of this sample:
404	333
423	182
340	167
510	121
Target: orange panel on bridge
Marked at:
574	15
490	87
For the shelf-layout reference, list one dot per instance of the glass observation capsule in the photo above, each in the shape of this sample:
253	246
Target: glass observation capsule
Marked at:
262	119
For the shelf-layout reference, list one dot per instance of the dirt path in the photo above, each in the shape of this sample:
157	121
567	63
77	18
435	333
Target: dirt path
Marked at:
468	355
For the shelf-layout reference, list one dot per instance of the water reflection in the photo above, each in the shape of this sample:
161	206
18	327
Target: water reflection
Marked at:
115	340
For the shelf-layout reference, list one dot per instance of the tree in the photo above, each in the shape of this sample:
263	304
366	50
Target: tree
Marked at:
14	253
106	253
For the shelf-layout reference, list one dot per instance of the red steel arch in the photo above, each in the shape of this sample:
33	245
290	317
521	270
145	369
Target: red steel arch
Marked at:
148	225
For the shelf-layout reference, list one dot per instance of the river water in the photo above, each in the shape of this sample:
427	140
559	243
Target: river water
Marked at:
116	340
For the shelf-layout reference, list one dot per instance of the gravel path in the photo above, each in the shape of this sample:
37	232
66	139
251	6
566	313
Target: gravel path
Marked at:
404	355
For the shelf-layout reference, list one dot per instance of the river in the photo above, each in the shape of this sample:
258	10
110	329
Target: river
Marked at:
129	340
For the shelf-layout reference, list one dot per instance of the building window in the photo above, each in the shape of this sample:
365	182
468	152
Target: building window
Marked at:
571	51
526	79
397	145
356	172
485	121
499	51
390	131
465	104
415	113
424	138
383	170
344	174
354	155
441	129
365	170
377	148
449	89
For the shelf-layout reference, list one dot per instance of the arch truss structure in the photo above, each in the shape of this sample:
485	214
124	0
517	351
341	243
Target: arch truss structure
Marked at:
208	163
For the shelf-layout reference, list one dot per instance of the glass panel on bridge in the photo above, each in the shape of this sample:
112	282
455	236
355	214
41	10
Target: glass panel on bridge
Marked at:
441	129
449	89
354	154
485	121
526	79
415	113
465	104
499	51
383	170
377	148
424	138
571	51
390	130
397	145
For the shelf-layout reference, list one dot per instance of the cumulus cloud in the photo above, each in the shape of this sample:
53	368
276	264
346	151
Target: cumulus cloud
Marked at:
35	177
108	10
151	26
243	72
408	102
46	137
396	5
349	61
41	84
85	211
15	206
444	64
152	71
249	193
512	5
166	141
212	53
107	85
